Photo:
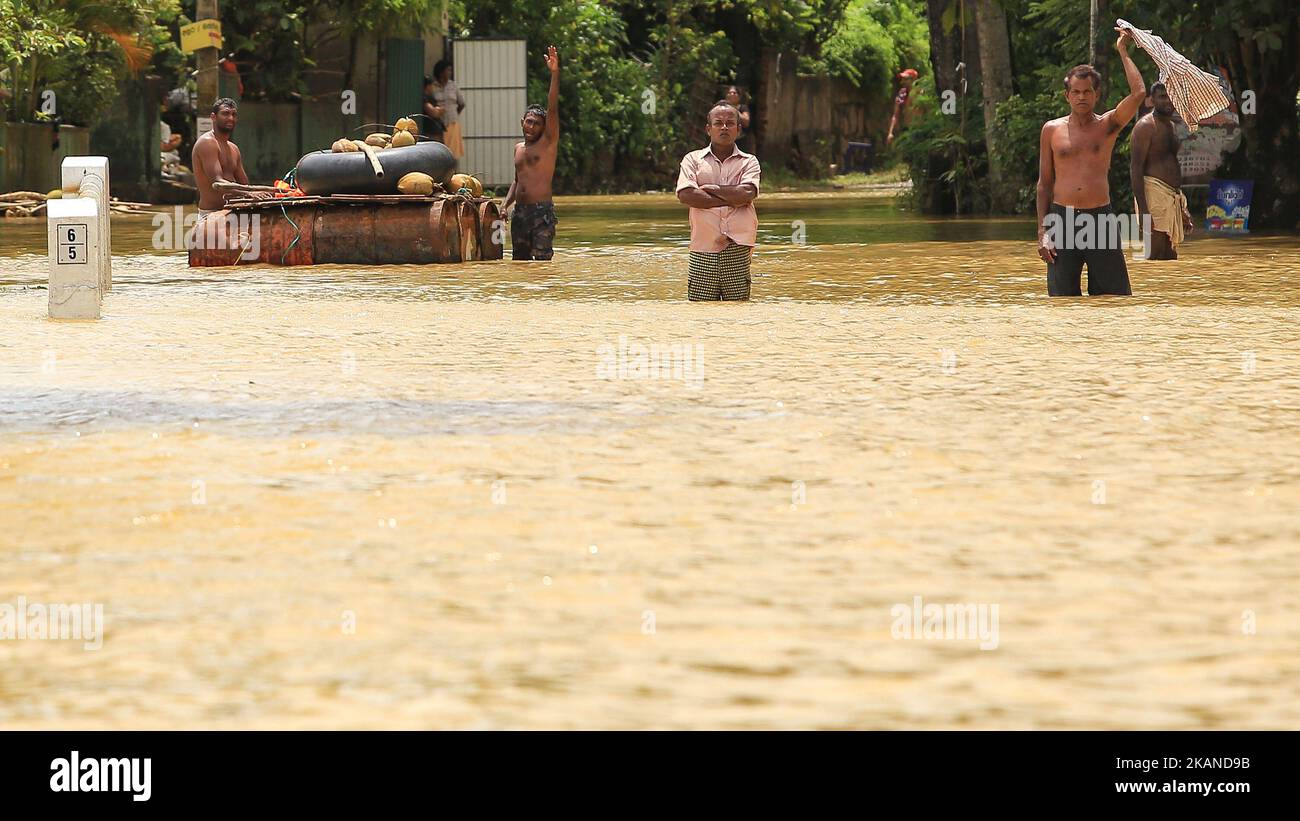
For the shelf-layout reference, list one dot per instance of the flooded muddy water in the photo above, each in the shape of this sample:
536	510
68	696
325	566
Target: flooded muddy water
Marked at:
556	494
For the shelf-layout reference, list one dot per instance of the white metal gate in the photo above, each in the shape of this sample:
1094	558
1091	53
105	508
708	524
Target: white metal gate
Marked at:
493	75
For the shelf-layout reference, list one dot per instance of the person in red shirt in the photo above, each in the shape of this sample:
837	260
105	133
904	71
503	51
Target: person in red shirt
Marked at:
228	65
906	78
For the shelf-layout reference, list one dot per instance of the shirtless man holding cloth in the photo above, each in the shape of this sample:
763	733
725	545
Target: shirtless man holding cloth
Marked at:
1074	188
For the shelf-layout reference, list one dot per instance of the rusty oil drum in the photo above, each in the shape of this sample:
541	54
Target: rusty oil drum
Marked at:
287	235
489	215
469	227
283	237
398	234
361	231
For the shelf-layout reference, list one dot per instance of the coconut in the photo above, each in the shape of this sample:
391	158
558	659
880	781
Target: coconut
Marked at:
342	145
415	182
459	181
379	139
403	138
407	124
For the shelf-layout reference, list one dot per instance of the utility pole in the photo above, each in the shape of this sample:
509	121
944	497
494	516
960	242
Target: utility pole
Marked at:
207	78
1092	35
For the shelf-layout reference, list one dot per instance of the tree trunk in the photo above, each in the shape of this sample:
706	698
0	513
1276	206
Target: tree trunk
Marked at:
947	21
1105	35
942	51
995	84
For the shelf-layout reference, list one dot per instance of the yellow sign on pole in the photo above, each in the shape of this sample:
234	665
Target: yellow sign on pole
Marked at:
203	34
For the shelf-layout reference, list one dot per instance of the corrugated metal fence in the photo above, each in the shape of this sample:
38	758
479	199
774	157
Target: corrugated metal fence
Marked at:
493	76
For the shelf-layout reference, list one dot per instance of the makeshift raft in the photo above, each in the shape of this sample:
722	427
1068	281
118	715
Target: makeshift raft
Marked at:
351	229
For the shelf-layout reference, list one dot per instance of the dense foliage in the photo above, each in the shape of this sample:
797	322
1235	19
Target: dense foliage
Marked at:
78	49
639	76
1257	41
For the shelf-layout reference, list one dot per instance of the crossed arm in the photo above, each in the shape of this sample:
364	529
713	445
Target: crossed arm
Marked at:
717	196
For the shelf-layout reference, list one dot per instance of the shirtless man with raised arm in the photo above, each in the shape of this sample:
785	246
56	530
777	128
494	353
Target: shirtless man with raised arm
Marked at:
1157	179
532	225
1073	187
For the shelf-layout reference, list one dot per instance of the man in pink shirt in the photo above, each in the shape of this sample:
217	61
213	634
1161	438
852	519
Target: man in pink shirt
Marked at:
720	183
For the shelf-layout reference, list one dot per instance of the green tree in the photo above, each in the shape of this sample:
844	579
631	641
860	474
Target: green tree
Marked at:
1257	42
275	41
78	49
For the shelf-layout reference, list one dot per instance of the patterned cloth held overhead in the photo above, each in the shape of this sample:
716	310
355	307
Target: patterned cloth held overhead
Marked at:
1195	94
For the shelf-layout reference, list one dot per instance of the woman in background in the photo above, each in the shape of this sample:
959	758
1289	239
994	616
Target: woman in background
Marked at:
448	104
745	142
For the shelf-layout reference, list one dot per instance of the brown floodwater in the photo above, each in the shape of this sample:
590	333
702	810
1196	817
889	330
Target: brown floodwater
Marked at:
450	496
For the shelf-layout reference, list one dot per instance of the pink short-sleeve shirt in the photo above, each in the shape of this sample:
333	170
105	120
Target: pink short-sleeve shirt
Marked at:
713	229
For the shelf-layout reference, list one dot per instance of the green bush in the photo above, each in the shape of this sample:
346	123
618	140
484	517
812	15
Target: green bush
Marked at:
873	42
78	49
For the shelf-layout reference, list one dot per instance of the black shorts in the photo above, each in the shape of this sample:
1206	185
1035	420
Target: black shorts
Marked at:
532	231
1107	269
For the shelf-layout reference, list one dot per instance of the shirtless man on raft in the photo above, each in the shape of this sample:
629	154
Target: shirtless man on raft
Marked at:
1073	165
1153	166
532	225
217	163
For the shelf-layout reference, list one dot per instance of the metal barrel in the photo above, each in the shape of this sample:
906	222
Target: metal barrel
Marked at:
409	234
470	249
490	242
245	236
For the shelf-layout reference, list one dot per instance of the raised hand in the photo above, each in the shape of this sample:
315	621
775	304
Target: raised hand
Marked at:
552	59
1125	37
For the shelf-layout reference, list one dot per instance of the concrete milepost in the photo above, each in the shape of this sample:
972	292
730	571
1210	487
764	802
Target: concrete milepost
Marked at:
79	234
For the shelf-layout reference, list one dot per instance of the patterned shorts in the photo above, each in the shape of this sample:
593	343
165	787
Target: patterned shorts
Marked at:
532	231
723	275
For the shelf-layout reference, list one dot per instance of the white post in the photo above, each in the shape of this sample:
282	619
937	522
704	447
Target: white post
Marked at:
80	240
88	177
